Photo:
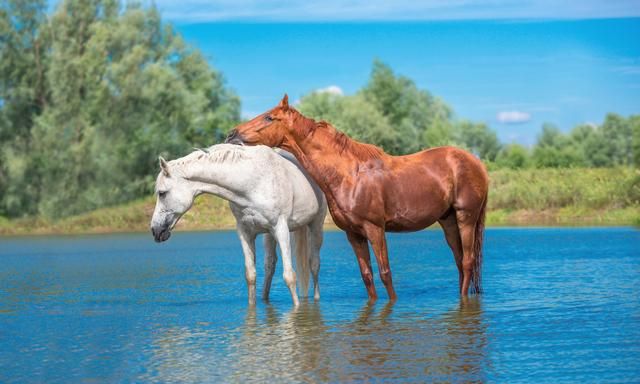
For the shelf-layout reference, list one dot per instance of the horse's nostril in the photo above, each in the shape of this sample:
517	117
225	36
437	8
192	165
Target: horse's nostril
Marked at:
233	138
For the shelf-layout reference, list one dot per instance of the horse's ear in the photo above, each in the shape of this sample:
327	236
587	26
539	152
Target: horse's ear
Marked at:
284	103
164	166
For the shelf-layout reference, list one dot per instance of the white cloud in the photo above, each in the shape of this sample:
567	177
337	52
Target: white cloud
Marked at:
332	89
513	117
628	69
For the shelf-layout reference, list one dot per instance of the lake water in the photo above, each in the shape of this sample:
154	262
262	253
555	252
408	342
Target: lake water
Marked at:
560	305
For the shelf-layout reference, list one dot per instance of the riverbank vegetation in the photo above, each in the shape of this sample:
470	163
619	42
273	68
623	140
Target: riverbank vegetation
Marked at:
92	92
537	197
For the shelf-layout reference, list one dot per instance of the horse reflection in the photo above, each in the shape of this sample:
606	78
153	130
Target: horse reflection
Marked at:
282	347
389	342
449	348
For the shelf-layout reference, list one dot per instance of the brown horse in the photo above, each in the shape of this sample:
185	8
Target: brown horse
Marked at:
370	192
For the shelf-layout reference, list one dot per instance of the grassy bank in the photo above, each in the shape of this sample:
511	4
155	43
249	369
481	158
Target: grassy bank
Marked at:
522	197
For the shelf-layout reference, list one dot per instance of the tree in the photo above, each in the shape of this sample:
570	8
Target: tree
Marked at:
418	118
353	115
390	111
479	139
124	88
513	156
555	150
24	37
634	121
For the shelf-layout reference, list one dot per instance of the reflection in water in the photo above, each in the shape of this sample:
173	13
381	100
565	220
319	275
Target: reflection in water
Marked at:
298	345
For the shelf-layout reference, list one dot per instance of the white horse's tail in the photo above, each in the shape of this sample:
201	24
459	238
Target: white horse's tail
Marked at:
301	238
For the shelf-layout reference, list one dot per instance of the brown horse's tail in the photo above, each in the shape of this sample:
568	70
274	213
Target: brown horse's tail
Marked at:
476	276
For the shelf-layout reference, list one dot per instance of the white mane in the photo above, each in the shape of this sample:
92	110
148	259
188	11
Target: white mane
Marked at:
216	154
219	153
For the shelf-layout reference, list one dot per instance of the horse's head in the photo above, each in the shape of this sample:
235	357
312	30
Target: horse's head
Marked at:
174	198
269	128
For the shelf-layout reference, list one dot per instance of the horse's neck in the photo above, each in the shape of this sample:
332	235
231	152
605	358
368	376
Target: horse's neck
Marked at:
323	160
215	179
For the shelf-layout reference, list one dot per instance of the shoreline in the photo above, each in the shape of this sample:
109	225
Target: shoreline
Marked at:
434	227
496	219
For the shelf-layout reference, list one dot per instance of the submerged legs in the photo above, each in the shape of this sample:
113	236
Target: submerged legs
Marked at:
467	227
281	234
270	260
379	244
248	243
315	242
361	249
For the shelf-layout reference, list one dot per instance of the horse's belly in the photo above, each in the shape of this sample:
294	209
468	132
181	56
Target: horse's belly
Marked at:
409	225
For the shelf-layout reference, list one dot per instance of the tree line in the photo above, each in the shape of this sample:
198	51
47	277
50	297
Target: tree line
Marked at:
392	112
93	92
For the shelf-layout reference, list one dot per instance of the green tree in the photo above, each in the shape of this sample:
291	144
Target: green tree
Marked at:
479	139
353	115
555	150
418	117
24	38
124	87
634	121
513	156
391	112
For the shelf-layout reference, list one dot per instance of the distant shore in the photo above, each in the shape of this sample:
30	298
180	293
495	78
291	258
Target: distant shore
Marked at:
535	197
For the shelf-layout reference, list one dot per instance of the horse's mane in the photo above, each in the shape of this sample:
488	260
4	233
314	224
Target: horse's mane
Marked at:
340	140
217	154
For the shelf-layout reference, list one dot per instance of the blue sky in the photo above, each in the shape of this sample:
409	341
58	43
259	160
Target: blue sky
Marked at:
511	64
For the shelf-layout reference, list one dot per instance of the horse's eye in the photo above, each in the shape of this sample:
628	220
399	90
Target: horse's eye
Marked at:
268	119
162	194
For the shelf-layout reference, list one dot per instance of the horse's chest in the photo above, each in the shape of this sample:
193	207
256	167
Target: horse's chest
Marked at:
250	217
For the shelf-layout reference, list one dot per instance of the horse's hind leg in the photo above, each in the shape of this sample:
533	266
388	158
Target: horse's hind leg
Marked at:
467	227
248	242
283	237
270	260
449	225
315	242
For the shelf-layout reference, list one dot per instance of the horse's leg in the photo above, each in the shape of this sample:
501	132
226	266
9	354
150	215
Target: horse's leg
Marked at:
361	249
449	225
270	260
315	242
248	242
467	227
282	235
379	244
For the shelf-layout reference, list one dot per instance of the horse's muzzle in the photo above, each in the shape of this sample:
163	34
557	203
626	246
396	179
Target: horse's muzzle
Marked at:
160	234
234	138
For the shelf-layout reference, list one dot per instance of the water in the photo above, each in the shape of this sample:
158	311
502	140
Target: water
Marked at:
561	305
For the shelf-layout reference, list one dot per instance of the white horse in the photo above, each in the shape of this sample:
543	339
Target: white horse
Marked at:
268	192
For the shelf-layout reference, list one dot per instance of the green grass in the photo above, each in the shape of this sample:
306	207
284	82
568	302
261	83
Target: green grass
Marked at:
517	197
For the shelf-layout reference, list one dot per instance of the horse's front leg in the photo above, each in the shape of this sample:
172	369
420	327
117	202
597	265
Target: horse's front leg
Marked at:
248	242
361	249
282	235
379	244
270	260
